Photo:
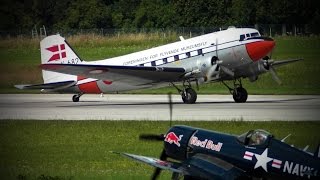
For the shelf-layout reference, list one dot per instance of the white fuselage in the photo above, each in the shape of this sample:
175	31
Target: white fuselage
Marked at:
192	54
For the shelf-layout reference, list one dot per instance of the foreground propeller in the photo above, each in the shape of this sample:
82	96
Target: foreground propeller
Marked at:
151	137
157	137
157	171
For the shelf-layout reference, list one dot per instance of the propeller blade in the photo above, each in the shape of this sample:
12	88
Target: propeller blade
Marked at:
211	72
217	48
151	137
274	75
213	68
170	106
157	171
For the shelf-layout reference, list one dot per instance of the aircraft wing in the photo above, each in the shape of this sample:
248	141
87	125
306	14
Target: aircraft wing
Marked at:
198	166
128	74
155	162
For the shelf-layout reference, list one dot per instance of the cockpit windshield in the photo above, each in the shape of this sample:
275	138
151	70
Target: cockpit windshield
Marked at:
254	137
249	35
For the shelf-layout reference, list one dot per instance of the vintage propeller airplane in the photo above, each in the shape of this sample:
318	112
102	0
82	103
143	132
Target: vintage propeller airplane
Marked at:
202	154
199	154
229	54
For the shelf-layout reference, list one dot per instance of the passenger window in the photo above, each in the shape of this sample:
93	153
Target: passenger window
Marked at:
248	35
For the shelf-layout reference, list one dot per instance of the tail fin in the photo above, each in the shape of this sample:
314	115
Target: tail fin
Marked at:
55	49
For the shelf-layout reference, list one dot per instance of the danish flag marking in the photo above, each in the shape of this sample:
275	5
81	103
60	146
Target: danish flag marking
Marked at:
59	51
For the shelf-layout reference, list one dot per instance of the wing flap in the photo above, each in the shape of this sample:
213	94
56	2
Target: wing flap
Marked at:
129	74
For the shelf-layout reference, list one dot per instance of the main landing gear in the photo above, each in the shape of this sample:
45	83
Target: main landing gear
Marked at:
188	95
240	94
76	97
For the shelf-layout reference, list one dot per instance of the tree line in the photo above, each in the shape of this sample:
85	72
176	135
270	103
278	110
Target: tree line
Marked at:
87	14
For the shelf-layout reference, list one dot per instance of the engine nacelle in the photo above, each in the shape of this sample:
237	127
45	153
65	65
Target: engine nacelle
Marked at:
255	69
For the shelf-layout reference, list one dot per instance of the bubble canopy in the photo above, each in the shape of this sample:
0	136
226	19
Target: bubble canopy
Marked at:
255	137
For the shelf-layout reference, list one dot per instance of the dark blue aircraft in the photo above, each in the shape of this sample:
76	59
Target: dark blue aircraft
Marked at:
202	154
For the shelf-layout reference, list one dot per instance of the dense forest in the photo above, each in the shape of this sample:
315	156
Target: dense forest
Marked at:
88	14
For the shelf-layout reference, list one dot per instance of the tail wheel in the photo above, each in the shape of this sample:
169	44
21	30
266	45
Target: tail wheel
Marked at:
75	98
240	95
189	96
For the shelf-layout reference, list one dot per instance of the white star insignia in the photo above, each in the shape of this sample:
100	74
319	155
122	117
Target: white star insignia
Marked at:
262	160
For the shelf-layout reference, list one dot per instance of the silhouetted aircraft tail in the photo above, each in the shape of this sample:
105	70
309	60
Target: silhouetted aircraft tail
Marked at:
55	49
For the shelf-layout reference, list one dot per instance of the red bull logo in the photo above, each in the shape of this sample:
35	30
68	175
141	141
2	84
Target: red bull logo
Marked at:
171	137
59	51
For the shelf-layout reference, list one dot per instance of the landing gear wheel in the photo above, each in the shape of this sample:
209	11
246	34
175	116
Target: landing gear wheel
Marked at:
240	95
189	96
75	98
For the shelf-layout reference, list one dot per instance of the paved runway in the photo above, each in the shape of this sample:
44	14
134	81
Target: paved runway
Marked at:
155	107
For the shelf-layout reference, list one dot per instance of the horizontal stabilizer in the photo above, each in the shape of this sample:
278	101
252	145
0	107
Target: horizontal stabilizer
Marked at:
56	85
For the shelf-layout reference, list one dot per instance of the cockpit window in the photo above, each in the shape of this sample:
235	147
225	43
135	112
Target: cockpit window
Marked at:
255	34
254	137
249	36
242	37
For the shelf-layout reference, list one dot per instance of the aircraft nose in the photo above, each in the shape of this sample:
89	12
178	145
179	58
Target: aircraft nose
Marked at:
259	49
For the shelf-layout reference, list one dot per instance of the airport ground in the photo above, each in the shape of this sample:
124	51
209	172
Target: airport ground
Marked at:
155	107
56	147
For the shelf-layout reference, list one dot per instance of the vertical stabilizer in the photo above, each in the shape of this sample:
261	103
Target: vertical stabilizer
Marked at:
55	50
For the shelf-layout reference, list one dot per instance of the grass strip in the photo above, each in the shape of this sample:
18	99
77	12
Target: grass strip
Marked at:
81	149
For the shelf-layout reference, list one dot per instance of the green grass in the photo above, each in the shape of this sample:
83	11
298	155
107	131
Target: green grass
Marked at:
20	57
81	149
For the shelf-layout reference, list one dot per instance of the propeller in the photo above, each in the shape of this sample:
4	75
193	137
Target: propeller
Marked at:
170	106
268	65
274	75
156	137
214	66
157	171
151	137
